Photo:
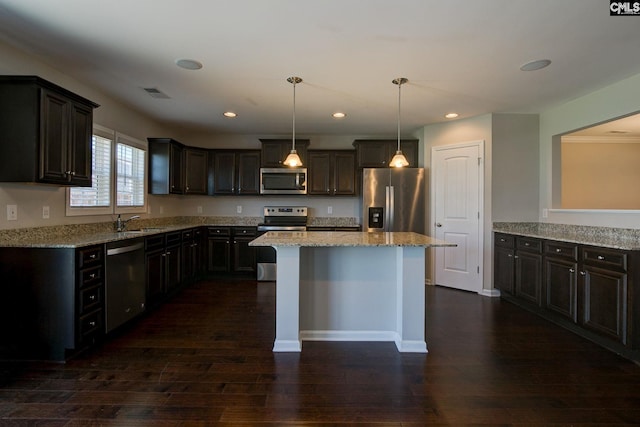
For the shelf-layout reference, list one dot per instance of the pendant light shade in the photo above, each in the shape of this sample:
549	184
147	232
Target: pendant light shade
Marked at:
399	161
293	160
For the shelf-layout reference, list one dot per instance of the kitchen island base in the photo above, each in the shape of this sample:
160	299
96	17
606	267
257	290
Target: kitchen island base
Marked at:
350	294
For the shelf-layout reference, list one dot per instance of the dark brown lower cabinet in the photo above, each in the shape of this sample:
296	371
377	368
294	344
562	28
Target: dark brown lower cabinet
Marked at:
162	265
228	250
604	302
589	290
52	303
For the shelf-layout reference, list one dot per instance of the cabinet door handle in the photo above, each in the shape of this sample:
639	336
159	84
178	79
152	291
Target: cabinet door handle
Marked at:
502	240
558	250
92	297
509	255
92	323
526	244
601	258
515	256
582	273
92	276
571	270
92	256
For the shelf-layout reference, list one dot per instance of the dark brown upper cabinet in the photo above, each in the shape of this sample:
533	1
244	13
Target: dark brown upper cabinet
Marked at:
275	151
175	168
234	172
332	172
45	133
377	153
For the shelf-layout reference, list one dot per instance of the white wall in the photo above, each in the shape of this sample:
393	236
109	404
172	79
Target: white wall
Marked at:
605	104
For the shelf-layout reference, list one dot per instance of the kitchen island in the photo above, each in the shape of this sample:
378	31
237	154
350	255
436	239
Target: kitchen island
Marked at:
350	286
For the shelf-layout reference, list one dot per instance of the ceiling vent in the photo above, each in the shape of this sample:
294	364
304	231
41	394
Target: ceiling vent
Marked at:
155	92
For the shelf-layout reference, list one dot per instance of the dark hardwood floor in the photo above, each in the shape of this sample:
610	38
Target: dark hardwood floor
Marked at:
204	358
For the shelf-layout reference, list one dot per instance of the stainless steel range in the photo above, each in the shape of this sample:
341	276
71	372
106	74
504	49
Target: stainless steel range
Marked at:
277	218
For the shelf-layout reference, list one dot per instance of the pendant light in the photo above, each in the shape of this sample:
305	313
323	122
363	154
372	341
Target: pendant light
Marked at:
293	159
399	161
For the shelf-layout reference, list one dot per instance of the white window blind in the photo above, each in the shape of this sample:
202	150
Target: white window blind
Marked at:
130	174
99	194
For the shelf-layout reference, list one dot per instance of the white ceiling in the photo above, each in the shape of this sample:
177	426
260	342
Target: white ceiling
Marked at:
458	56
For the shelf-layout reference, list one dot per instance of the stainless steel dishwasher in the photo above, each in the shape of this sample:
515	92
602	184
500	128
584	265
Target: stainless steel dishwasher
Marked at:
125	292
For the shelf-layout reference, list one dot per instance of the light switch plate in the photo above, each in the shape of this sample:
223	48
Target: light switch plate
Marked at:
239	209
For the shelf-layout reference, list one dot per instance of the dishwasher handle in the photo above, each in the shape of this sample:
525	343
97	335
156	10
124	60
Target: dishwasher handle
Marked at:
125	249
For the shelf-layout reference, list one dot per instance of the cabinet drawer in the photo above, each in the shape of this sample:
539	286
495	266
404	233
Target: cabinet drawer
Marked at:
91	276
90	298
244	231
154	242
90	256
561	249
173	238
187	235
604	258
90	324
505	240
218	231
529	244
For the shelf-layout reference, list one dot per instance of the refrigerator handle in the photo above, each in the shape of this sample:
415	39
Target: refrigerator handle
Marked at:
390	208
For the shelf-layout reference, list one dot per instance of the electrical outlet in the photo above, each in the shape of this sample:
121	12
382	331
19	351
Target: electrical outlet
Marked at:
161	210
199	209
12	212
239	209
545	213
45	212
329	210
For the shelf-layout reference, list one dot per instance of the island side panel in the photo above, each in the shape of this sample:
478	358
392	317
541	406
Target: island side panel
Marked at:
287	300
348	293
411	302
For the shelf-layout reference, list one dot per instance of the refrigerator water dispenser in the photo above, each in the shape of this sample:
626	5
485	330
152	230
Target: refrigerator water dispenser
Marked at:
375	217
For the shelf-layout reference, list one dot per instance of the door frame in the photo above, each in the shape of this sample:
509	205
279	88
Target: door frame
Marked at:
481	193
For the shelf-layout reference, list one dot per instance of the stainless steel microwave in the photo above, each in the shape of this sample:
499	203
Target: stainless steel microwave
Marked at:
283	180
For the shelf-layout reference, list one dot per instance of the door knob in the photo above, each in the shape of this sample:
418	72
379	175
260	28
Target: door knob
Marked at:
438	224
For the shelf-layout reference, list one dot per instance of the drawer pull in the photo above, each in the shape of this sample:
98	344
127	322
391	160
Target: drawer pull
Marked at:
527	244
92	276
509	255
92	256
601	258
92	297
92	323
558	250
503	240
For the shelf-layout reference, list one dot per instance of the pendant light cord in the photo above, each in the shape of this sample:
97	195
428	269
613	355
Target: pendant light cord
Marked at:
293	139
399	86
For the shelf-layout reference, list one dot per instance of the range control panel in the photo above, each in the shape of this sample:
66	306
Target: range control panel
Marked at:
285	211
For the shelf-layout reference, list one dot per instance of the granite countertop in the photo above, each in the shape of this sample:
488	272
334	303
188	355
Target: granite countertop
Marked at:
348	239
606	237
81	235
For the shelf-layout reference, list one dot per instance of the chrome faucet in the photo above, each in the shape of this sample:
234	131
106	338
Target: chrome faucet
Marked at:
120	224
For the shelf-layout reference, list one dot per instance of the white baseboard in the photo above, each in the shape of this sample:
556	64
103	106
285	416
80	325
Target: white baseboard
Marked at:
493	293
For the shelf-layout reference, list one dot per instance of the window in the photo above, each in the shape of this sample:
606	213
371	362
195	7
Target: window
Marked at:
130	175
119	162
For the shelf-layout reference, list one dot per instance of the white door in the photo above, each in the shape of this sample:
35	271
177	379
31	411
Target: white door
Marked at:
457	189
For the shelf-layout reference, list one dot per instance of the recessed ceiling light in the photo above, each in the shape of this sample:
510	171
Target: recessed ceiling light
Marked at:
536	65
188	64
338	115
229	114
451	115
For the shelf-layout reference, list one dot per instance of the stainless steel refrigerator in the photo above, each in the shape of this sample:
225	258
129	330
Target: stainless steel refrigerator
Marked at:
393	199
